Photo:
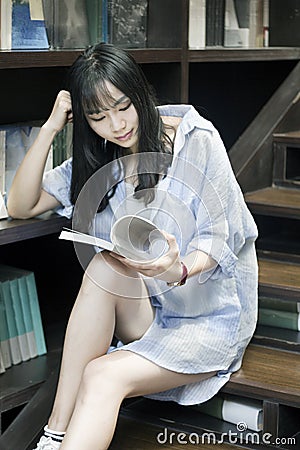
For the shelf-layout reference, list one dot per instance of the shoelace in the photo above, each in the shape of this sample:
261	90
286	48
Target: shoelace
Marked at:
46	443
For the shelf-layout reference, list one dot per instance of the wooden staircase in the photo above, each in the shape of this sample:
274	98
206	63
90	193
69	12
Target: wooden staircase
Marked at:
271	366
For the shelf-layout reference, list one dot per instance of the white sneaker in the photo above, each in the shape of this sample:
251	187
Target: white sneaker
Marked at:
46	443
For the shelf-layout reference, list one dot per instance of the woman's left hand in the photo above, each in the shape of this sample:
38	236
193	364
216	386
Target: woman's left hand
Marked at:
167	268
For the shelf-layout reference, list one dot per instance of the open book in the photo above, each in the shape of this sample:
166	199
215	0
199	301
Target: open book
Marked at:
132	236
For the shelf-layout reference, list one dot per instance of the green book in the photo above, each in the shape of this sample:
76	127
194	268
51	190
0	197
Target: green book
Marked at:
280	319
234	410
36	314
4	333
11	323
20	324
30	303
2	366
275	303
28	322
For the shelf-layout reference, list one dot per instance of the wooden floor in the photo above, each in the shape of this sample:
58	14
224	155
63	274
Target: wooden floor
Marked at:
133	435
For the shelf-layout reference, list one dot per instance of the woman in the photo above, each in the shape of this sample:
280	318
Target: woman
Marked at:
183	320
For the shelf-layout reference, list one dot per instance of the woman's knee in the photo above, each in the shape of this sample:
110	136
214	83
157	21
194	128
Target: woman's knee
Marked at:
100	378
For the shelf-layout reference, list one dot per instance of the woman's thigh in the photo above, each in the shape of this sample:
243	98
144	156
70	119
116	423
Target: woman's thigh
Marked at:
136	375
115	284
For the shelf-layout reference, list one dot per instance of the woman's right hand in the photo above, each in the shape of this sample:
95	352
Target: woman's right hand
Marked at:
61	112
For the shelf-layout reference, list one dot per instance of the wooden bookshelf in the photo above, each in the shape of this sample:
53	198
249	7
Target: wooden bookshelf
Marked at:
229	86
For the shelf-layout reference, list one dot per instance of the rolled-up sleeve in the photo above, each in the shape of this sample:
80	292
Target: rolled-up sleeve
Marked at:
218	207
57	182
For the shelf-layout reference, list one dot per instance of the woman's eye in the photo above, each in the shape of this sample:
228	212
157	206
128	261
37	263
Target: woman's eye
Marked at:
97	119
126	107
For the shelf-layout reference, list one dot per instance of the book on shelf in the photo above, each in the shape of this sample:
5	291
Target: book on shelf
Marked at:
62	146
276	303
234	410
23	25
5	24
236	26
256	27
164	25
197	24
127	23
15	141
20	324
67	22
2	366
14	345
131	236
284	23
4	332
3	210
96	17
36	313
215	21
279	318
24	309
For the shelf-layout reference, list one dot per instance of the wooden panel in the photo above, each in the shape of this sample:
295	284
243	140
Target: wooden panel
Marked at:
268	374
280	202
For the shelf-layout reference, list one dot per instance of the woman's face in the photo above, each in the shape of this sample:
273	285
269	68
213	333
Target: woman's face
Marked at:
119	122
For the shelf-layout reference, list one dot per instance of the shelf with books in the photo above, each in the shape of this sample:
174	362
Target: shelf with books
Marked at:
14	230
22	59
220	54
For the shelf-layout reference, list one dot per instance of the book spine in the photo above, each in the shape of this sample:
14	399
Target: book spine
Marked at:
212	407
197	24
6	24
210	26
277	318
11	324
27	33
22	337
36	314
282	305
4	333
2	161
256	24
2	366
23	292
235	412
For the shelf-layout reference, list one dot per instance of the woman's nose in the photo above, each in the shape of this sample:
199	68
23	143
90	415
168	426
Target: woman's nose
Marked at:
117	123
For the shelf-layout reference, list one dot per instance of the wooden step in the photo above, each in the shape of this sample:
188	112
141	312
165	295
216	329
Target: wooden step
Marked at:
290	137
280	279
275	201
134	435
268	373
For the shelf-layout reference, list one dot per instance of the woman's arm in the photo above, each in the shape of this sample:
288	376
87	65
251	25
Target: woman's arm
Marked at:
26	198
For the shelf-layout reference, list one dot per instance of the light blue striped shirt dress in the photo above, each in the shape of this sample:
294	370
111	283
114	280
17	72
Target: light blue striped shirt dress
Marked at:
206	324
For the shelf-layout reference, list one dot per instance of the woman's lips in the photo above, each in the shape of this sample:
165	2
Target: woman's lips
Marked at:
126	136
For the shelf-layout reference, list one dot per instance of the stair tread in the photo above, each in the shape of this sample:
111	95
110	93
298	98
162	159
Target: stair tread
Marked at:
275	200
134	434
289	136
283	197
268	373
279	274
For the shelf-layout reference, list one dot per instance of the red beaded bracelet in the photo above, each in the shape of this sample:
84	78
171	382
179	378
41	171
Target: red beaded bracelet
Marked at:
183	278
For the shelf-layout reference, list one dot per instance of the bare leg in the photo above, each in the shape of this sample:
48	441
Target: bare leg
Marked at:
109	293
106	382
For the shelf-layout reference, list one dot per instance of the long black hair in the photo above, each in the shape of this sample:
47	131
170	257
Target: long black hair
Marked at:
99	64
